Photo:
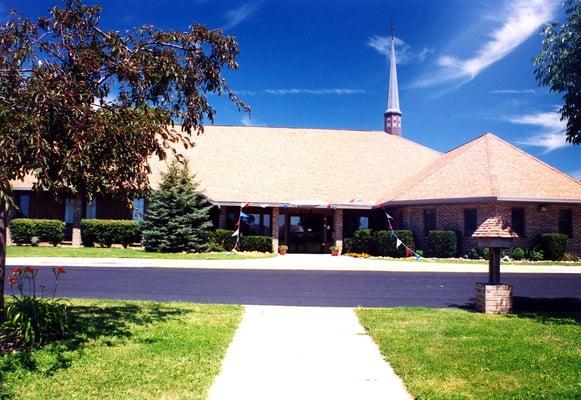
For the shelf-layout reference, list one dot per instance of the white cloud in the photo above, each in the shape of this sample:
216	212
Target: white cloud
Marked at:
513	91
247	120
551	134
238	15
336	91
404	53
522	18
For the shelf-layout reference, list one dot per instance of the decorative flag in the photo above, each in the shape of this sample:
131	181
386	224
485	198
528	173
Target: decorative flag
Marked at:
236	233
408	252
243	215
388	216
418	256
398	243
243	205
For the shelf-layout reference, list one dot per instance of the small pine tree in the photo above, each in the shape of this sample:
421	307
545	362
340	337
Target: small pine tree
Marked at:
178	216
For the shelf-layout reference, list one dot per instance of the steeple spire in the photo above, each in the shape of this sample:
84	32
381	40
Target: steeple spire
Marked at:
392	115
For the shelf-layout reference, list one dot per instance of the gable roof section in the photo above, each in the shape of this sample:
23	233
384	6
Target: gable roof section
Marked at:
490	168
301	166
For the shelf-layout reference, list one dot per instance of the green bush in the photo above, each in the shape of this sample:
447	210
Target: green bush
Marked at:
553	245
385	243
536	255
105	232
223	238
473	254
442	244
517	254
348	245
256	243
363	241
22	230
485	253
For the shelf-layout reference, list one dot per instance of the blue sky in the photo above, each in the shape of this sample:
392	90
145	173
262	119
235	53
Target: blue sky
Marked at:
464	66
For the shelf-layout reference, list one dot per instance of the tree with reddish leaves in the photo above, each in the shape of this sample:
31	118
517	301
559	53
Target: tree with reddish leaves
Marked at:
82	108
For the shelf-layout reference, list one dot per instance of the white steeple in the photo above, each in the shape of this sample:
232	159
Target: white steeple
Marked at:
392	115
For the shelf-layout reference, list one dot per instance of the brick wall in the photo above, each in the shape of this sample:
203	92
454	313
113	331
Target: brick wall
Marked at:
452	217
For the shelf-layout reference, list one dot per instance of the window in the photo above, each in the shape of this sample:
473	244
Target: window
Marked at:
91	211
138	209
363	223
470	221
518	221
69	211
232	219
24	205
429	220
566	222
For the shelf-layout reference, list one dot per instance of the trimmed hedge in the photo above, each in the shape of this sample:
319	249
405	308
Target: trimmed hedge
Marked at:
105	232
363	241
385	243
256	243
22	230
223	238
380	243
553	245
442	244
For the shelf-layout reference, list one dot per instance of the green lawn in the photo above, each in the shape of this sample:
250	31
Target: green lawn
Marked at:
127	350
455	354
93	252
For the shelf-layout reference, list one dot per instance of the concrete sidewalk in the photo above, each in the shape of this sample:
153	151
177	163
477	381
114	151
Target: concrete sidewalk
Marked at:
304	353
319	262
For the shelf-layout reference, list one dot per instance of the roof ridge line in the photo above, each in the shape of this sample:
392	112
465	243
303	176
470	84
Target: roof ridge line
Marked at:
492	179
428	170
536	159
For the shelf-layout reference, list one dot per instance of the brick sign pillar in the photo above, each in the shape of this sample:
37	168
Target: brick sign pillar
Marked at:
77	215
494	297
8	238
275	213
338	226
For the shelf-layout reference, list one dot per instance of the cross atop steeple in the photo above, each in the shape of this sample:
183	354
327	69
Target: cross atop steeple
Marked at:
392	115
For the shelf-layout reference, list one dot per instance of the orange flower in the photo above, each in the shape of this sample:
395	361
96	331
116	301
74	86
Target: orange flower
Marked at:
30	270
59	270
15	271
12	281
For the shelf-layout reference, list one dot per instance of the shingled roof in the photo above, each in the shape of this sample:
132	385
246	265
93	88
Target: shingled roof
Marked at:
302	166
487	168
494	227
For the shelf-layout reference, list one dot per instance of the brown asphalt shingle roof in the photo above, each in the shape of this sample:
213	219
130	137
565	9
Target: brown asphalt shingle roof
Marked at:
488	167
292	165
494	227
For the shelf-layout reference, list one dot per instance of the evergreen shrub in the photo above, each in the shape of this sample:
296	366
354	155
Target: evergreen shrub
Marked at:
223	238
442	244
256	243
22	230
363	241
385	243
105	232
517	254
178	217
553	245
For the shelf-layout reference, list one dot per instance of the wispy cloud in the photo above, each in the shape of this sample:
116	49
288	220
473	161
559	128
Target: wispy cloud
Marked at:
551	133
513	91
405	54
295	91
238	15
522	18
247	120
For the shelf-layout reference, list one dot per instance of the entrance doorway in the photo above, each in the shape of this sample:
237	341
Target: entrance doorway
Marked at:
306	232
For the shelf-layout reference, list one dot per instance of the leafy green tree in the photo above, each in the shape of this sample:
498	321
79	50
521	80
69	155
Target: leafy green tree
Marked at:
82	108
558	66
178	215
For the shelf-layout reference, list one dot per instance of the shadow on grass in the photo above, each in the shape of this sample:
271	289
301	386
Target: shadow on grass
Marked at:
107	323
565	310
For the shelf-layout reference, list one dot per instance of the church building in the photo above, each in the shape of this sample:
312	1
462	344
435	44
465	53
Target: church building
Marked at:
312	188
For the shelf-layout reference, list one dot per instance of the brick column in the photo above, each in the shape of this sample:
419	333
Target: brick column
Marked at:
222	219
77	215
274	223
8	238
338	225
493	299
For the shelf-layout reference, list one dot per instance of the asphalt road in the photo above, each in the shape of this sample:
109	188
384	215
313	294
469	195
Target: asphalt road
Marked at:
307	288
